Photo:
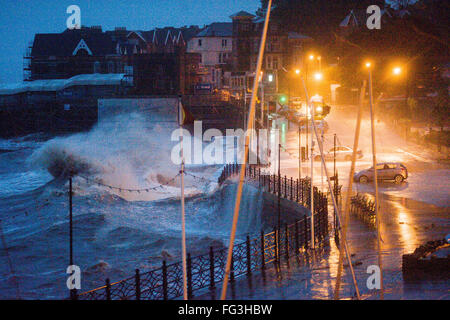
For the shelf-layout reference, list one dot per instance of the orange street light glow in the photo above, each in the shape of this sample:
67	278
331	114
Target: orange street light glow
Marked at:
297	71
311	57
397	71
368	64
318	76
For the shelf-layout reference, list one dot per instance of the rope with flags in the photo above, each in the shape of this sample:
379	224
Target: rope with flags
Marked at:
122	189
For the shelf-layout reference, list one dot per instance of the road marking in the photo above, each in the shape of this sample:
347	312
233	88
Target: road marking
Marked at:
415	156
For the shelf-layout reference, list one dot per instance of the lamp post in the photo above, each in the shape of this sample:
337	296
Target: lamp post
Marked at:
397	72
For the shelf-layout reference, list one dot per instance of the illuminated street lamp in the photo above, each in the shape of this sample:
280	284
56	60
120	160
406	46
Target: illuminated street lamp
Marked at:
311	57
397	71
297	71
318	76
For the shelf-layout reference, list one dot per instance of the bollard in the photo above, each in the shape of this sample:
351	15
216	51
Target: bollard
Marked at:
189	276
292	181
137	281
164	274
108	289
296	238
232	268
275	230
286	242
306	235
263	259
249	256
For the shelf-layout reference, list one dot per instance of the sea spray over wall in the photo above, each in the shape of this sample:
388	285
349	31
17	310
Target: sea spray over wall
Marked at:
121	151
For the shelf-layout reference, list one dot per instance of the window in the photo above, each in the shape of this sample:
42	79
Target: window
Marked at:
199	42
224	42
275	63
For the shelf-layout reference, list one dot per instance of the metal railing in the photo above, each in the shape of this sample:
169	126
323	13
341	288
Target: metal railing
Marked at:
207	270
298	190
364	209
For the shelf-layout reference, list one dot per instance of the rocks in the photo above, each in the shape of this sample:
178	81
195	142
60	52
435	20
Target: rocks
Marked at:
429	261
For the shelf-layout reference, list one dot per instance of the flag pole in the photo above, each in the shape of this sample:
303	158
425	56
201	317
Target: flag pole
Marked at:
333	198
244	162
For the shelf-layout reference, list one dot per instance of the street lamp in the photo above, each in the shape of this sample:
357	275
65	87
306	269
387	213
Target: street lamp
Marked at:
297	71
397	71
318	76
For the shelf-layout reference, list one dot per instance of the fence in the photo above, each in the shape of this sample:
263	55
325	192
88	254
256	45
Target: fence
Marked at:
207	270
298	190
364	209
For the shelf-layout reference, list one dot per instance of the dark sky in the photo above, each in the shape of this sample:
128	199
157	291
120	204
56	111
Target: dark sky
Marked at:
21	19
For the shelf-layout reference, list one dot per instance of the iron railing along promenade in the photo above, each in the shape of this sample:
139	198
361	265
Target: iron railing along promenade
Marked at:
364	209
207	270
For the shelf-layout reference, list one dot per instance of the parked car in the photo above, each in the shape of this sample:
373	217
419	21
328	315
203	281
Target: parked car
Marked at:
385	171
342	153
319	125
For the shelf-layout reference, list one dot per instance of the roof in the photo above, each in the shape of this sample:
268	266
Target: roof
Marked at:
65	43
217	29
242	14
161	35
94	79
359	17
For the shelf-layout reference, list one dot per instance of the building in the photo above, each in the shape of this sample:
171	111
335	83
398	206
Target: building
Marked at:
283	52
214	44
72	52
57	105
155	59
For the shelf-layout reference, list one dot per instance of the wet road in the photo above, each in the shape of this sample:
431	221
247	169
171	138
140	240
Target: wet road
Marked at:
412	213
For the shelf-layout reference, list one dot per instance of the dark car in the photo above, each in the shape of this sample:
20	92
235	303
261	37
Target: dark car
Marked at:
385	171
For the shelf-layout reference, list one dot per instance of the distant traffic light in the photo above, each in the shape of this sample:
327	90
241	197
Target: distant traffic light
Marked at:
321	111
282	99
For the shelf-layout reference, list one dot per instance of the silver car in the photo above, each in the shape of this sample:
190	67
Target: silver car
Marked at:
342	153
385	171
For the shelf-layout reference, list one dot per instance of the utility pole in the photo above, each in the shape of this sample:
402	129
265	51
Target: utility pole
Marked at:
334	183
73	292
183	219
312	179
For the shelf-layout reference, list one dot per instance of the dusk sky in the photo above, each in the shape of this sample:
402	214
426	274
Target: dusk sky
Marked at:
20	20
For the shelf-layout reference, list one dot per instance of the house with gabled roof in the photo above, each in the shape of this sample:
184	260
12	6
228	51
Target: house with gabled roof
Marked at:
72	52
214	45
